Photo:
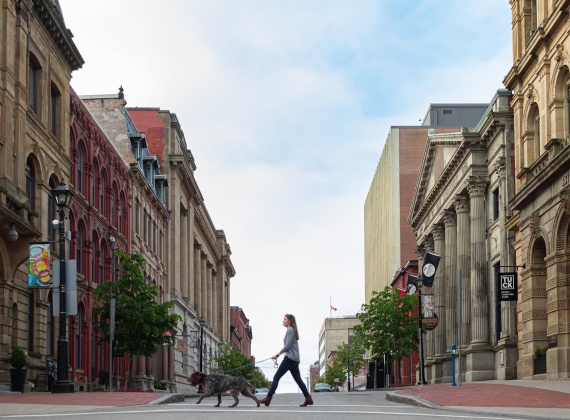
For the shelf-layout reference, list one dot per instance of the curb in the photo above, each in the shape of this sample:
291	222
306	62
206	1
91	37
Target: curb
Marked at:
405	399
168	398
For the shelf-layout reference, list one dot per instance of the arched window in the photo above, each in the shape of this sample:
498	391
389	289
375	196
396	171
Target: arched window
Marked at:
121	214
102	194
94	183
79	174
93	256
31	183
31	321
79	248
533	136
78	338
113	215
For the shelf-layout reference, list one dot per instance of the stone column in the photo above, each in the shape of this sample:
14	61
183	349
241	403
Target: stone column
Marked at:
184	253
210	300
464	264
149	374
215	317
197	280
204	294
480	359
450	260
191	256
438	232
165	363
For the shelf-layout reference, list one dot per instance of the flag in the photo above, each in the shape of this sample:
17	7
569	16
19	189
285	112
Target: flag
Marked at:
333	308
429	268
412	284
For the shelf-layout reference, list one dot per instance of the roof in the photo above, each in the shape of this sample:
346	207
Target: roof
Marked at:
454	115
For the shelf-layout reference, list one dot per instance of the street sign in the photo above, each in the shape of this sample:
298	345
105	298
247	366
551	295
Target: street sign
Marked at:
366	356
431	323
508	285
182	345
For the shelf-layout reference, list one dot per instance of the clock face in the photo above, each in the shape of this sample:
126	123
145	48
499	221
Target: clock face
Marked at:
429	270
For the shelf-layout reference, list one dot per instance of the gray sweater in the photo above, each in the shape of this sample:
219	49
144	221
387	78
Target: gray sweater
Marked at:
291	345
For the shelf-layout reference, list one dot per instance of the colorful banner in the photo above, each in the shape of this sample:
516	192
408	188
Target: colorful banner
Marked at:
193	340
39	265
428	307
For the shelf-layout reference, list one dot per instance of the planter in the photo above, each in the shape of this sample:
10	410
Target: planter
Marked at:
539	365
18	379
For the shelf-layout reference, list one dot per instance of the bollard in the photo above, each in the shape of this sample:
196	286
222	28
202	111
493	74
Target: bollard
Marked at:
453	365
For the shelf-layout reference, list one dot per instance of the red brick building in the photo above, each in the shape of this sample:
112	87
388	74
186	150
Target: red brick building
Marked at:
100	210
241	333
404	371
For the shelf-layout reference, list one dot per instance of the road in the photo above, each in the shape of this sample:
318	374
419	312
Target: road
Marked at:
329	406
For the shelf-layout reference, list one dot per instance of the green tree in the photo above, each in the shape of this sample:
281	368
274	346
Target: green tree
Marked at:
140	322
336	371
259	380
233	362
388	326
350	358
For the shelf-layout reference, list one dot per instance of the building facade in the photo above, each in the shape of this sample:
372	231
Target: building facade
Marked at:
149	217
197	254
240	331
388	240
540	81
334	332
39	56
459	211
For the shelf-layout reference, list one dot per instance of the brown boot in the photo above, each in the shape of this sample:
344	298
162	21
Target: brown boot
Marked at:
266	401
308	401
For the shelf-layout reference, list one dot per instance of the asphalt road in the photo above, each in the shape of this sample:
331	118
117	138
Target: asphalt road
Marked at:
329	406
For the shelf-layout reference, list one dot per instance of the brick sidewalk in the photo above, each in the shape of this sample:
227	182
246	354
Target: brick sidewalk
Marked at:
114	399
489	395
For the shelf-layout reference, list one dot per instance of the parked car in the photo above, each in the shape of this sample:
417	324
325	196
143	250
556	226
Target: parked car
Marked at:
322	388
261	392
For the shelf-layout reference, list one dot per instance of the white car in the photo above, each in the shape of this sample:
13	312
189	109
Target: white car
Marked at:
261	392
322	388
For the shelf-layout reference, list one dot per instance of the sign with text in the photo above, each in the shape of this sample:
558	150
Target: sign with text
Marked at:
508	287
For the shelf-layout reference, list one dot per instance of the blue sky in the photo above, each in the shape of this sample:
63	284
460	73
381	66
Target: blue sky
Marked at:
286	106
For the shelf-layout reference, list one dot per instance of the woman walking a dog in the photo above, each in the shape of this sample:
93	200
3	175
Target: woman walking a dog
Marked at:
290	363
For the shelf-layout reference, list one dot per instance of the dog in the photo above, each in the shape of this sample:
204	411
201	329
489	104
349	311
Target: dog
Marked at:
217	384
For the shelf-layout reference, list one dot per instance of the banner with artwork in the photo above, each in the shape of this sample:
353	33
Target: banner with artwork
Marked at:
428	307
193	340
39	265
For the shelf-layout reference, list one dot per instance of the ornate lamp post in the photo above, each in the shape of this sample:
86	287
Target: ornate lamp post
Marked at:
63	385
201	322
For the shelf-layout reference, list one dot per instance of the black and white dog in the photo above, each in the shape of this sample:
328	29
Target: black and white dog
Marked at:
217	384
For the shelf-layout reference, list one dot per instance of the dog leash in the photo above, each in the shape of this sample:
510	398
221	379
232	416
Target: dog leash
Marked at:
275	365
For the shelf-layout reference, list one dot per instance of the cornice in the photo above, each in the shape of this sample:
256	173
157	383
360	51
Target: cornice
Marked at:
180	163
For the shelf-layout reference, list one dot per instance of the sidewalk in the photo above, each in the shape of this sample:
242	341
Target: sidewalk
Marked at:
43	402
536	399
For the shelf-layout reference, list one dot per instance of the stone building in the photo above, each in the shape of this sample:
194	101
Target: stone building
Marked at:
197	254
99	221
540	81
240	331
388	240
38	57
459	210
334	332
149	217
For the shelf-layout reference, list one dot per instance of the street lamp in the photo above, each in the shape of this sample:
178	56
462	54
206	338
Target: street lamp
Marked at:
63	198
201	322
420	282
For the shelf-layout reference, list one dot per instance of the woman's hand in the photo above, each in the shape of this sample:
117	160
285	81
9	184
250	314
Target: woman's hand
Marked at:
275	357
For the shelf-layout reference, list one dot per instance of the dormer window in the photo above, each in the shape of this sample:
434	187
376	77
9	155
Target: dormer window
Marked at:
160	182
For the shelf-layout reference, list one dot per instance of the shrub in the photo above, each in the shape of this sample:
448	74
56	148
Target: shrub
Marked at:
18	359
159	385
540	352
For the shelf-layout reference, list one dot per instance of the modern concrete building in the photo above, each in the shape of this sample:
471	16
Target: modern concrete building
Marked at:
459	211
540	81
334	332
388	240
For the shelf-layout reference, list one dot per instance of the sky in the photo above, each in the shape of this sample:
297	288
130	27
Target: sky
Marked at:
286	107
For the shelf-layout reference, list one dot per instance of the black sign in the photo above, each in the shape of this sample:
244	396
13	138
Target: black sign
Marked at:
508	287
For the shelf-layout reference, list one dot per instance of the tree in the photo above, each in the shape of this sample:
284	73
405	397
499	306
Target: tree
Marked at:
140	322
336	371
350	358
233	362
259	380
387	325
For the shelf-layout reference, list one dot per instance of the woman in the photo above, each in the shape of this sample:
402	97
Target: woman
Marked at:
290	362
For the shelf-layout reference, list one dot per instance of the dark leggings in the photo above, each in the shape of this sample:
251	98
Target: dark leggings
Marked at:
293	367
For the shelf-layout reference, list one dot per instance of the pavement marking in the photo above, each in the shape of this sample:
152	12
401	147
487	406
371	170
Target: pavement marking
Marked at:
305	411
396	405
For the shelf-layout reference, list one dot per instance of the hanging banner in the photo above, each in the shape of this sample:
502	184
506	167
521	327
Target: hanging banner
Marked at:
412	284
193	339
428	306
508	285
431	261
39	265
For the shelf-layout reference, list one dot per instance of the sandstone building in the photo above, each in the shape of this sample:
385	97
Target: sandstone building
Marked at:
540	81
39	56
459	211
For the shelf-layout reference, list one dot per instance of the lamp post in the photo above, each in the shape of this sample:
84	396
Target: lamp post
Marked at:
422	380
201	322
112	316
62	385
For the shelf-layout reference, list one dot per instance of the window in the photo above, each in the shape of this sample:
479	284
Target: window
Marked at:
144	226
33	82
101	264
447	112
79	173
78	341
102	194
496	205
54	100
121	215
149	229
31	183
79	248
94	183
93	256
31	326
137	211
160	244
113	217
